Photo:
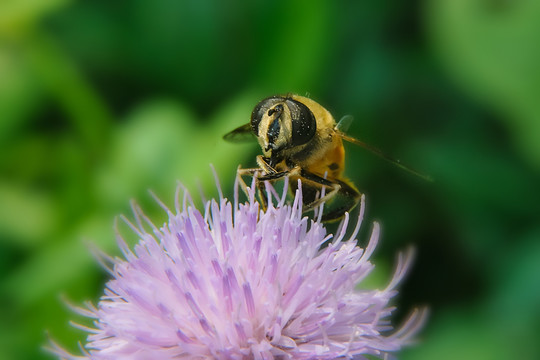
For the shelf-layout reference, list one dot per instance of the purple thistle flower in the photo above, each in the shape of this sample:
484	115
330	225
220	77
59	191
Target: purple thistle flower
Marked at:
235	282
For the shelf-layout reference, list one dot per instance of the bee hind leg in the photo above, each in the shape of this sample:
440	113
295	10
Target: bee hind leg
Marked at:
312	188
353	198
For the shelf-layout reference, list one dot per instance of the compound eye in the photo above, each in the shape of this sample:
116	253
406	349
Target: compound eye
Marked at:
261	109
303	121
256	117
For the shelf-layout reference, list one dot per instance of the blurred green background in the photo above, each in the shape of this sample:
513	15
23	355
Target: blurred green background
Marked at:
102	100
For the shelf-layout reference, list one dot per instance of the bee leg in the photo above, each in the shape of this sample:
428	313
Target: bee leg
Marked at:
336	187
264	165
260	180
261	192
240	173
312	188
253	172
246	172
275	176
348	192
270	175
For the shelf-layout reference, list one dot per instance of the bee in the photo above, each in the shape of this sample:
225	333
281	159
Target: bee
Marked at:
300	139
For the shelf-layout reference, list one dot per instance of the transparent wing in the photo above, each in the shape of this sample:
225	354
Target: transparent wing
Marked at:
344	124
240	134
382	155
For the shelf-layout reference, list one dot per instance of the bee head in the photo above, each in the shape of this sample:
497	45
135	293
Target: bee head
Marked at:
281	123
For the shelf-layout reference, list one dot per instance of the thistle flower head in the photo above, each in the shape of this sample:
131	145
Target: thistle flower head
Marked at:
234	282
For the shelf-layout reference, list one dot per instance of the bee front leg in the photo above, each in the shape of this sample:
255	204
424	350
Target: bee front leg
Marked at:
269	174
254	173
272	177
240	173
264	165
293	172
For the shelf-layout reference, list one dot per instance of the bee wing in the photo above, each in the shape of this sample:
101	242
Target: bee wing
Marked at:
240	134
344	124
382	155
